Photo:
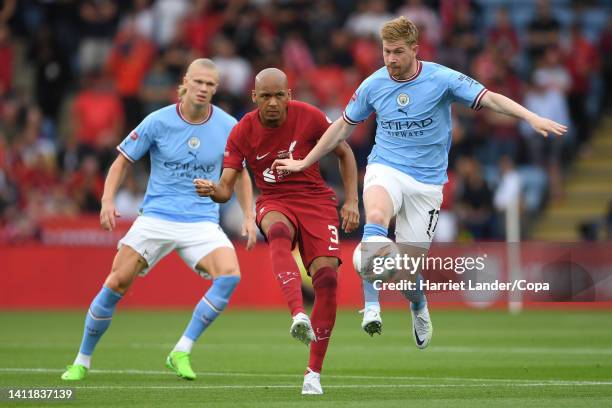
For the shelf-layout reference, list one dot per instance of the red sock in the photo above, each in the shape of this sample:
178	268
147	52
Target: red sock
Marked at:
323	314
284	267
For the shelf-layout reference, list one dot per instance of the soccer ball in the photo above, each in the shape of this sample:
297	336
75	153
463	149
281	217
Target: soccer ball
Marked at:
372	258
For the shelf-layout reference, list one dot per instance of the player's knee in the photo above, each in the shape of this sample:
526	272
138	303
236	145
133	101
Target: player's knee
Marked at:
279	230
116	283
325	278
229	270
377	216
323	262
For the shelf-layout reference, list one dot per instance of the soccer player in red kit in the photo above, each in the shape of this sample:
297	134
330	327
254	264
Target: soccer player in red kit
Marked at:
297	208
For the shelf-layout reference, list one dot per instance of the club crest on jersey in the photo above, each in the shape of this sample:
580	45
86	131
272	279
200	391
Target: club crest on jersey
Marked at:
403	99
193	142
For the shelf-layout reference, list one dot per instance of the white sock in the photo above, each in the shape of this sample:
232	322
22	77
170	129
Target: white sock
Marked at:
184	344
83	359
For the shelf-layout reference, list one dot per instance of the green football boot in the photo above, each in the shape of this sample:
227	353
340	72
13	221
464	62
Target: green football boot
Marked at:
178	361
74	372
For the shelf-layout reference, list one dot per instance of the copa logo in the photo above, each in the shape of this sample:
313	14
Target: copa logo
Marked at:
194	142
403	99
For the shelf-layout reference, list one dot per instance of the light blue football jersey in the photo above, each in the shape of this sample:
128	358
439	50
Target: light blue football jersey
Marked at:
180	151
413	117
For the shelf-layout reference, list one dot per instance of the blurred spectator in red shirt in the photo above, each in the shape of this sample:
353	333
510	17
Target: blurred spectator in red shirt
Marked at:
34	166
503	138
128	63
6	56
503	35
97	115
485	64
202	25
367	55
325	81
296	54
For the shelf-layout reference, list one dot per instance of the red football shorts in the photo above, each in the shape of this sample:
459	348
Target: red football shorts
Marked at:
315	223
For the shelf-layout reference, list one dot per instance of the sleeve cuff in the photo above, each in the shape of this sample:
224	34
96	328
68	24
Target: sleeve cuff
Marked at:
349	120
127	156
476	105
236	166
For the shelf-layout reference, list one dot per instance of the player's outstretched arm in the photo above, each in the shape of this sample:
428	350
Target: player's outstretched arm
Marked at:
244	193
502	104
338	131
348	170
114	178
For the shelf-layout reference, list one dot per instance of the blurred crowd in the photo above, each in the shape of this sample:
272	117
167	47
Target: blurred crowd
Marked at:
77	76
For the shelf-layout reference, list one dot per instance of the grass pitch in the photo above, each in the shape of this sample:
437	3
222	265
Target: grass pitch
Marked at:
247	359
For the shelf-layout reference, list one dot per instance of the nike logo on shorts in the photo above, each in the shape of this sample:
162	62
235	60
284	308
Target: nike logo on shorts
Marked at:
258	157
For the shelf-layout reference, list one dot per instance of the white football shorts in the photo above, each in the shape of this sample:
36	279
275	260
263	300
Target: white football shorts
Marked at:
416	205
154	238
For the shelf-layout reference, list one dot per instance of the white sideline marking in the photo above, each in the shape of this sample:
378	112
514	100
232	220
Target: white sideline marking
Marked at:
407	349
526	350
212	387
500	381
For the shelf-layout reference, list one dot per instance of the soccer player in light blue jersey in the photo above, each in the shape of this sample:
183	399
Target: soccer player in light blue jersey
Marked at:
407	166
185	141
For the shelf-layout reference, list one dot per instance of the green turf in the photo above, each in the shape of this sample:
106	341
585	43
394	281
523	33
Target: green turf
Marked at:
477	358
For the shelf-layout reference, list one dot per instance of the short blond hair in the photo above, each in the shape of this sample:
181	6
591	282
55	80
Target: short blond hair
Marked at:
400	29
200	62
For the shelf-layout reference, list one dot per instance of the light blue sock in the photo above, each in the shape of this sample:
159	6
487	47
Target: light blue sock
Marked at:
211	305
370	295
416	297
98	318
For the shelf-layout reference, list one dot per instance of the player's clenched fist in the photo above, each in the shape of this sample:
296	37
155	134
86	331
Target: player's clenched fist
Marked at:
204	188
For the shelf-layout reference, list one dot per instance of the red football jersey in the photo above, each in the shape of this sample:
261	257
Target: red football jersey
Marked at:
259	146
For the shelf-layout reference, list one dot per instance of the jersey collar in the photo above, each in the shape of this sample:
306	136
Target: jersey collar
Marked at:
206	119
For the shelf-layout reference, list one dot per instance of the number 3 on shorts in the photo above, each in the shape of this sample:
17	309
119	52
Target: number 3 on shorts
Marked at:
334	234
